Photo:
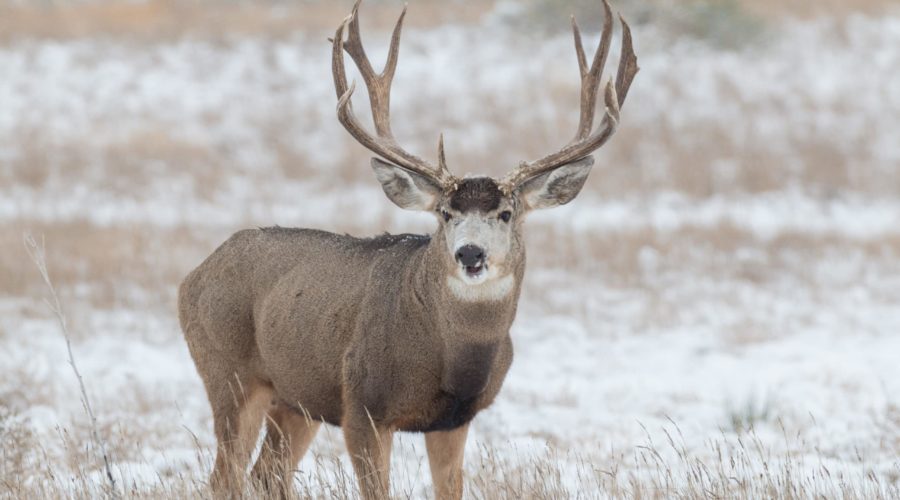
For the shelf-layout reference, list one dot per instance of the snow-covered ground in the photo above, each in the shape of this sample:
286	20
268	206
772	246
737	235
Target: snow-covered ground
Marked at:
734	262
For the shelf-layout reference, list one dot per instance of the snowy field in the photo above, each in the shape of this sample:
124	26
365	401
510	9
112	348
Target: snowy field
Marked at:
716	315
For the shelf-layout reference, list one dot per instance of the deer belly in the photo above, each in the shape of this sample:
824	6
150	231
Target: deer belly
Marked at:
301	344
449	413
321	409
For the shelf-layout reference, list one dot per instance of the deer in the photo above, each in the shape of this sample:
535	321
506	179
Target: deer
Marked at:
293	328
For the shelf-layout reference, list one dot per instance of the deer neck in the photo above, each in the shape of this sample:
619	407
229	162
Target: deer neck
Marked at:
487	307
470	331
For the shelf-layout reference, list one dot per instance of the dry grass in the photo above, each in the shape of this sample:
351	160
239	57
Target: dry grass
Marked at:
126	266
805	9
737	467
693	168
712	251
108	267
623	168
167	19
153	259
696	155
95	266
37	253
17	438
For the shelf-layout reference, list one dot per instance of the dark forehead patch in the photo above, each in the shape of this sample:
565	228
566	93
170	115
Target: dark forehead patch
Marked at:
477	193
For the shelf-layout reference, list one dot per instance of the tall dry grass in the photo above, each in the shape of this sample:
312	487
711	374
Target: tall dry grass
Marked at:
738	467
37	253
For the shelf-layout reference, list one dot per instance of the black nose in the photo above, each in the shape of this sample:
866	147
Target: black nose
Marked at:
470	255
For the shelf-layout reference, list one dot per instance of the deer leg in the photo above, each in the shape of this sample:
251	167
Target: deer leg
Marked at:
238	409
369	446
288	435
445	458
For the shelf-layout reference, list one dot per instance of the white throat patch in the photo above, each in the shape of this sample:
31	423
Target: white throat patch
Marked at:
490	290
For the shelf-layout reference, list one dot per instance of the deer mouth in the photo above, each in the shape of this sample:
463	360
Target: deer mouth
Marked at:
475	271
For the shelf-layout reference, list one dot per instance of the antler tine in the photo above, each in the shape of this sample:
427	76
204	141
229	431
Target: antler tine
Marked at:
394	51
585	142
442	165
379	89
337	60
590	78
628	66
355	48
579	48
378	85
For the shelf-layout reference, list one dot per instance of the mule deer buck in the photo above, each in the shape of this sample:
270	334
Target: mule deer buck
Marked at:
295	327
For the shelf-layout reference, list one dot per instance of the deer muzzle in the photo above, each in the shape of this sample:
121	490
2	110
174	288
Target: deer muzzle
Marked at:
472	258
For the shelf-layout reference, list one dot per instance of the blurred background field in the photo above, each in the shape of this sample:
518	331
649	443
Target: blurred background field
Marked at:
730	275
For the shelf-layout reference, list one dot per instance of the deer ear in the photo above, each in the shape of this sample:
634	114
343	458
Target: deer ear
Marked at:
556	187
406	189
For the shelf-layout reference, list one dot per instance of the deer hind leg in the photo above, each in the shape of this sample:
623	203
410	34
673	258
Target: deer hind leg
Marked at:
445	458
288	435
238	405
369	446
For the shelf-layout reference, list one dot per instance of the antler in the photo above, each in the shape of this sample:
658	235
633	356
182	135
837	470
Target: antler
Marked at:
379	87
584	142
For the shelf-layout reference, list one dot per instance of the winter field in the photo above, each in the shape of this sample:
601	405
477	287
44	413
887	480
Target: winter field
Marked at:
715	316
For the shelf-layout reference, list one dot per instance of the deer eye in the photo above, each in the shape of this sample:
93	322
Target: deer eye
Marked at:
446	215
505	215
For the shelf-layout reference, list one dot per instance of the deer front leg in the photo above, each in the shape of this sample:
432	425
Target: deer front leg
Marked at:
369	445
445	457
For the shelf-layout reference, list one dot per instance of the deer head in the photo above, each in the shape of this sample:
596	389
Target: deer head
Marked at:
480	217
